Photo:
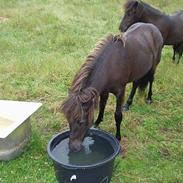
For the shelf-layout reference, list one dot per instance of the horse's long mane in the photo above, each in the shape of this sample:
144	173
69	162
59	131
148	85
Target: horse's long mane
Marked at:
85	70
79	92
129	4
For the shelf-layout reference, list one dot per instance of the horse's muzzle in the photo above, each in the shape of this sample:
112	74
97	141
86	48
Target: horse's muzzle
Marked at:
75	145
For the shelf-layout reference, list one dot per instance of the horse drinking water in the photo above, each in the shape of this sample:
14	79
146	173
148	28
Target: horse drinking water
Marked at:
116	61
170	26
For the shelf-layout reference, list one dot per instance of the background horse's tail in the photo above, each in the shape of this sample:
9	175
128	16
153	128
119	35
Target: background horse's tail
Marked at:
143	82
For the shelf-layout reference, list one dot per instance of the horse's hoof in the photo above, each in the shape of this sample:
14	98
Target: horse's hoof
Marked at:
148	101
94	126
125	108
118	137
120	151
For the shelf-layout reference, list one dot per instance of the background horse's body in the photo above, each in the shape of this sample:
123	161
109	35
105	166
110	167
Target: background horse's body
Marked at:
171	26
175	29
117	61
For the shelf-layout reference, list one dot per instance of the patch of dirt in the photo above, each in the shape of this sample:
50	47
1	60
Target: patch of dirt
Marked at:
164	130
134	124
165	152
167	130
3	19
124	146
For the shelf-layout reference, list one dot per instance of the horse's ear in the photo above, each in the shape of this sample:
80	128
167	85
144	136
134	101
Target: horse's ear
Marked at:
137	8
135	5
131	4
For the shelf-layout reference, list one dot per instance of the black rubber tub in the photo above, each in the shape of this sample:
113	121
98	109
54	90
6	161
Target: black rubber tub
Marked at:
100	172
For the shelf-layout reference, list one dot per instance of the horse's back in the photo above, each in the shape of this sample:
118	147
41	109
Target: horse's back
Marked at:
177	20
143	31
175	34
145	36
177	13
143	45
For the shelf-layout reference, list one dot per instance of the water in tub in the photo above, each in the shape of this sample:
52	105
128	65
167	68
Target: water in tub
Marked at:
95	149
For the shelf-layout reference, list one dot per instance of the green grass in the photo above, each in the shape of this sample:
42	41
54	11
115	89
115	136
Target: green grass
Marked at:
42	45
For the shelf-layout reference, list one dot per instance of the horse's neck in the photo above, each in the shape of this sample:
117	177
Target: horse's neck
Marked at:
152	16
160	20
97	85
97	81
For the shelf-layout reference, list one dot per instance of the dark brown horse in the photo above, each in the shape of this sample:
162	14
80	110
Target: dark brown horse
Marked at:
171	26
116	61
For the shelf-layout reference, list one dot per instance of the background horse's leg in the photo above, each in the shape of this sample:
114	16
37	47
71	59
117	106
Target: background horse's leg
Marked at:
103	101
130	98
149	96
173	58
118	113
179	59
180	52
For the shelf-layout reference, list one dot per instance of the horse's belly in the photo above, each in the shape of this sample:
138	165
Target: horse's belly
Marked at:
141	68
175	38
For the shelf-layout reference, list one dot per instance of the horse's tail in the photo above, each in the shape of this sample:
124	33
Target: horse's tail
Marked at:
143	82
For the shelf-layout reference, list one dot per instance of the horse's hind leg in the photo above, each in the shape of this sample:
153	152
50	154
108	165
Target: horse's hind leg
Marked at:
118	113
129	102
103	101
179	59
149	96
180	53
173	58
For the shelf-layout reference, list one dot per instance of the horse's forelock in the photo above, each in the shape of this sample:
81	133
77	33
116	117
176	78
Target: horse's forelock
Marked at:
87	94
71	107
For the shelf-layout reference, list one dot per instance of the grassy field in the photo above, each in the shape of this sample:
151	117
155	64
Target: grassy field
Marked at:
42	45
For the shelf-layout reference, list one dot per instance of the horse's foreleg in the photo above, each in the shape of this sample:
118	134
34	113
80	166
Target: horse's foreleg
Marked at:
103	100
149	95
118	113
130	98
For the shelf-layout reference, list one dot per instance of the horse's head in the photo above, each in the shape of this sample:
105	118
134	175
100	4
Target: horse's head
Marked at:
133	13
79	111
